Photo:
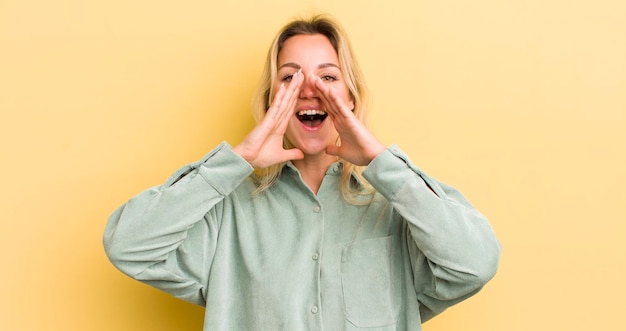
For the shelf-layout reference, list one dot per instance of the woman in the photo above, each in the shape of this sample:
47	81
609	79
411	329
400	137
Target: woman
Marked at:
310	222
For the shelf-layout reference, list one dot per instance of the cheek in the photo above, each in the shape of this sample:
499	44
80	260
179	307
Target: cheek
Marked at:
349	99
291	126
276	85
272	92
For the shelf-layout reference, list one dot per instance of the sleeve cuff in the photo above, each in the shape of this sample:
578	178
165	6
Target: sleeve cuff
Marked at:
224	169
390	171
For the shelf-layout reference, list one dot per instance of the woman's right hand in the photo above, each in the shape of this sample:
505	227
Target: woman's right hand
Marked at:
263	146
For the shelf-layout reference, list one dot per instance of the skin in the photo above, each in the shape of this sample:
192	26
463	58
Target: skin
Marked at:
309	77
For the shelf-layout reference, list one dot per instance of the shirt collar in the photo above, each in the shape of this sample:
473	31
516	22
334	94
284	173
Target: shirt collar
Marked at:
334	169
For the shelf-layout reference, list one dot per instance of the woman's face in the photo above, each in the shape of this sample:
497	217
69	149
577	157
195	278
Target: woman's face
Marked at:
310	129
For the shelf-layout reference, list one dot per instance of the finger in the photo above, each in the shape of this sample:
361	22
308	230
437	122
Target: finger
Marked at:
275	107
331	101
288	103
294	91
288	97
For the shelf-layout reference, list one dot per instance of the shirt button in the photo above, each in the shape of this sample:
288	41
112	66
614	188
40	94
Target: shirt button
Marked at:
314	310
316	209
316	256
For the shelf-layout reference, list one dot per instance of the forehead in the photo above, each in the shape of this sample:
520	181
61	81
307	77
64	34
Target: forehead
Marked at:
307	48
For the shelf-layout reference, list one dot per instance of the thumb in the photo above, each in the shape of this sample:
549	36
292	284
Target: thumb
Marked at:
293	154
333	150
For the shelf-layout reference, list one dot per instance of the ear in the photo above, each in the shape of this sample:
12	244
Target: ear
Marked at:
351	103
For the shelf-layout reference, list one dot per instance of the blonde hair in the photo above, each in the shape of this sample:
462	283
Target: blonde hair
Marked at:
328	27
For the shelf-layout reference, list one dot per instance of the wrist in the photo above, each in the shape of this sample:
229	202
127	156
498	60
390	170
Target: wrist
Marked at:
375	151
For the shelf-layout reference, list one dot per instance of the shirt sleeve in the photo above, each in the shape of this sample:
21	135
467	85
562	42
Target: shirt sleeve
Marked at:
165	236
454	251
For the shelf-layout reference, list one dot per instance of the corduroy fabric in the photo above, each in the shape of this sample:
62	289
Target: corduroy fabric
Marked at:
289	259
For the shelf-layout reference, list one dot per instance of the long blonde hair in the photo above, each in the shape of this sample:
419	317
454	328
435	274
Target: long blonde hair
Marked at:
327	26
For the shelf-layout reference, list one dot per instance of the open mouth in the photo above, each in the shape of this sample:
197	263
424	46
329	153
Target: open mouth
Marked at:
312	117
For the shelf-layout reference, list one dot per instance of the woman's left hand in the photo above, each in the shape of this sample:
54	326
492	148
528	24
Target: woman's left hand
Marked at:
358	145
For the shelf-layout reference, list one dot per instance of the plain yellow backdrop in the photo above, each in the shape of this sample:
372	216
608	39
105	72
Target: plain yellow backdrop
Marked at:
519	104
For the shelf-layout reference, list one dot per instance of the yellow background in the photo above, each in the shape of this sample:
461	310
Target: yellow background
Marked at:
519	104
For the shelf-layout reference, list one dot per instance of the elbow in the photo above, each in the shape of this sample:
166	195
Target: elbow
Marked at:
117	246
468	279
116	255
121	255
454	283
110	240
485	266
111	243
124	260
482	258
111	250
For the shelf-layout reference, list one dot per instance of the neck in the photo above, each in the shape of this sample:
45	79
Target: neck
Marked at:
313	169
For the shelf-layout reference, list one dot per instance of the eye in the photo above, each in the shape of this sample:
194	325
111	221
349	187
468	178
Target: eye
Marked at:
329	78
287	78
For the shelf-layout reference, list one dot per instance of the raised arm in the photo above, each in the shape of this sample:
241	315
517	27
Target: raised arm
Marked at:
455	250
165	236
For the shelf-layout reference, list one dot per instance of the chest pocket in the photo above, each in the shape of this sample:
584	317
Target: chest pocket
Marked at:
371	276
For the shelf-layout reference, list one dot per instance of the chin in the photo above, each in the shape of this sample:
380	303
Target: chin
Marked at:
311	147
313	150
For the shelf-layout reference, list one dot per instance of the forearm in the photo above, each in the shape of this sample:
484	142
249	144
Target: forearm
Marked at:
460	247
153	224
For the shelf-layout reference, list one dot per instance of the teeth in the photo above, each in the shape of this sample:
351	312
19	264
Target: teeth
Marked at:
311	112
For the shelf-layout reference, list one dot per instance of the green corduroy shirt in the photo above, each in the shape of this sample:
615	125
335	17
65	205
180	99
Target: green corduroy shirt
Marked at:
289	259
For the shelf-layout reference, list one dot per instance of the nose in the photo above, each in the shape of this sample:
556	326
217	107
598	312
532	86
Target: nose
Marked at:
307	89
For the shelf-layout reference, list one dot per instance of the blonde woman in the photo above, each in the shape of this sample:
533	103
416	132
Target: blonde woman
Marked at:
310	223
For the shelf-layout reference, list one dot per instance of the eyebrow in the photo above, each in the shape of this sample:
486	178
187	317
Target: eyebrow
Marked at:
297	66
